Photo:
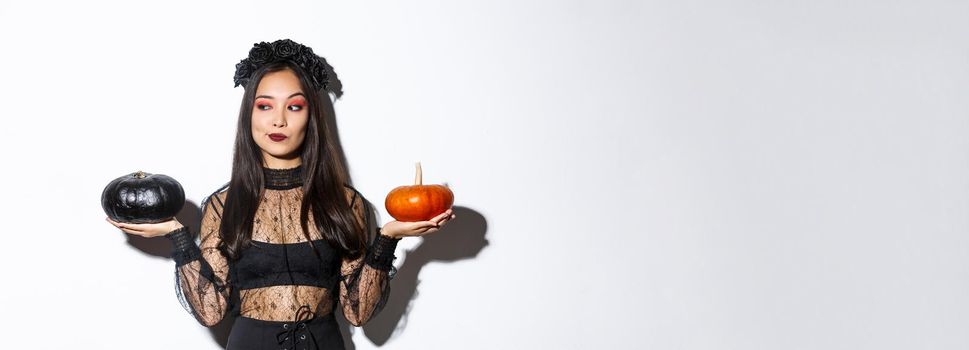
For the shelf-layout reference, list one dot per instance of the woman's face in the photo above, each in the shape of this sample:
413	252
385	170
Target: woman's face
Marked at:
279	116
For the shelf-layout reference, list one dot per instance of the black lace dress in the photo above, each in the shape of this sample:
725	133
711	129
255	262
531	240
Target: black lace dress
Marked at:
284	293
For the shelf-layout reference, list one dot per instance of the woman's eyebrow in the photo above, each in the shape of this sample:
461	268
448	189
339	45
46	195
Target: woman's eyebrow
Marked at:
290	96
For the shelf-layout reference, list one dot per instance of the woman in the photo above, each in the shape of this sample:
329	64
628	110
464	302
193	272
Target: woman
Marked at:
263	247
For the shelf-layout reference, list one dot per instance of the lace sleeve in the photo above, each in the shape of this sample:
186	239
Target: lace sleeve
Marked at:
201	271
365	282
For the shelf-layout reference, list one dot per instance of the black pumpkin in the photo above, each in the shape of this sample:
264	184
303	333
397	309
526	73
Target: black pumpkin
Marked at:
142	197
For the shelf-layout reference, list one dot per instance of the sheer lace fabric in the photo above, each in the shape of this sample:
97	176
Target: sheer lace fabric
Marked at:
278	274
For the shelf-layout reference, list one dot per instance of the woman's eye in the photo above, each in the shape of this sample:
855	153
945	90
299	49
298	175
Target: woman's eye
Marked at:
263	107
296	108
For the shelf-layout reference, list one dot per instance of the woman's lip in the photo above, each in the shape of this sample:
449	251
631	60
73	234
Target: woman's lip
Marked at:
277	137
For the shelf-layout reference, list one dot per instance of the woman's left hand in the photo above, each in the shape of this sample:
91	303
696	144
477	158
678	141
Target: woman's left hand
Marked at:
401	229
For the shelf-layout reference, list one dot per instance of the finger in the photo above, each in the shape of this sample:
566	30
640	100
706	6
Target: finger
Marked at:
420	230
447	219
129	227
430	230
441	216
417	225
133	229
138	227
437	217
122	225
134	232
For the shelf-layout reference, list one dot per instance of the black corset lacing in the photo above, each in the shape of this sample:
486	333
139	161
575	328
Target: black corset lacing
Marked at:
296	333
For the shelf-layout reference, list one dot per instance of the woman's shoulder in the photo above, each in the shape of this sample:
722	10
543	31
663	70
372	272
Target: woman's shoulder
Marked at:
351	192
217	198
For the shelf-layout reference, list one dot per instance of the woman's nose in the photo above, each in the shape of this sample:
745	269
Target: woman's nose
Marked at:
279	120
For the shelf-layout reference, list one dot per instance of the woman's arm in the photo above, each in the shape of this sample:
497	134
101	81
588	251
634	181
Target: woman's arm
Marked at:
365	282
201	271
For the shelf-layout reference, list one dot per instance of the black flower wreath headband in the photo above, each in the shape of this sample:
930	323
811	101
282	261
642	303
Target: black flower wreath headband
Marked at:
283	50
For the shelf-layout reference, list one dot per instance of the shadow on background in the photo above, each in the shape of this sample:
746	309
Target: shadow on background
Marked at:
462	238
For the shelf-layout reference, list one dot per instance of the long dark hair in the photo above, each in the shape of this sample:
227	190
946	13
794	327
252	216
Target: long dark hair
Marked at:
324	177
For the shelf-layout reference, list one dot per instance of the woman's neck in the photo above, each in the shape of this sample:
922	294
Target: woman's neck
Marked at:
277	163
283	179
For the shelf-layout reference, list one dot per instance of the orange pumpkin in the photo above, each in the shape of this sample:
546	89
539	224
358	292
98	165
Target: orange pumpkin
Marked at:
418	202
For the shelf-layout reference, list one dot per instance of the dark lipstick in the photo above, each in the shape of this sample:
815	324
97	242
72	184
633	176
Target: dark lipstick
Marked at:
277	137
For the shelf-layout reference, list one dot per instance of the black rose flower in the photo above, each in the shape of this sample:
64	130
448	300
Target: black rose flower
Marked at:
285	48
261	53
301	60
318	71
306	52
243	70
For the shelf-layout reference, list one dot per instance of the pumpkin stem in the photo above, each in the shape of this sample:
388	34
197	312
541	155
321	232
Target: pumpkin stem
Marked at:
418	179
140	174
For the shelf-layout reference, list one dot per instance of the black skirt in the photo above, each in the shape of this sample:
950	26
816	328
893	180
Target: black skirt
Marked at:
319	333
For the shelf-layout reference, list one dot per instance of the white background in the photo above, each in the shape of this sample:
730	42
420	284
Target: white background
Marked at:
646	175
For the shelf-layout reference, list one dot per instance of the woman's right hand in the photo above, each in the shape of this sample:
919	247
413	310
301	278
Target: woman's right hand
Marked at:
147	230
